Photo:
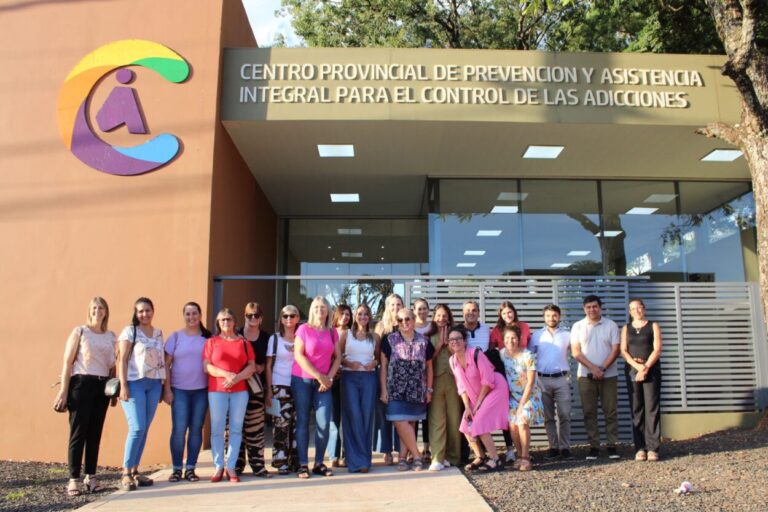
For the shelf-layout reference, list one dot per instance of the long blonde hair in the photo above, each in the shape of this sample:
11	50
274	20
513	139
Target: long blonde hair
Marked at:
313	320
99	301
388	320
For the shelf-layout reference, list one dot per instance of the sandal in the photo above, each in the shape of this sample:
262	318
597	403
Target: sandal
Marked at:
141	480
487	468
91	484
262	473
303	472
175	476
388	460
322	470
403	466
127	483
283	470
474	465
427	456
417	465
525	465
73	487
190	476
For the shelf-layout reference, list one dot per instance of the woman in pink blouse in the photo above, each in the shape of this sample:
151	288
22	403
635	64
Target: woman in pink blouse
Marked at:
486	400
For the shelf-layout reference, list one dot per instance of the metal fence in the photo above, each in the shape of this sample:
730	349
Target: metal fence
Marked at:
714	359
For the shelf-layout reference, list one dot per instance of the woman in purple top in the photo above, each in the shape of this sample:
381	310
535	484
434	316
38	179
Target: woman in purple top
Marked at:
485	394
317	358
186	391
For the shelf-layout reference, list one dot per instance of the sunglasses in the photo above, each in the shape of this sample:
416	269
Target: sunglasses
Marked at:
253	316
455	340
403	320
287	316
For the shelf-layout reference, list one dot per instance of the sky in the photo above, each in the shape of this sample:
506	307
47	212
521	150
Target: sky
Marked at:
265	25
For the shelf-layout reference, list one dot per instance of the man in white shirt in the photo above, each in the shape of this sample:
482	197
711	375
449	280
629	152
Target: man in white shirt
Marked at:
478	335
550	344
595	345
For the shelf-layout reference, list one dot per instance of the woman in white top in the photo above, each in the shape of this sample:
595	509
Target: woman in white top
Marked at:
278	370
360	354
141	368
89	360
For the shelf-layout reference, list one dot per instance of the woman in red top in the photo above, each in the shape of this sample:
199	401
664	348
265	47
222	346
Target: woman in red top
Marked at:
508	318
229	361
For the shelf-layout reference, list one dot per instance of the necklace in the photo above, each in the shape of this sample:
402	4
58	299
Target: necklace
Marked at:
638	329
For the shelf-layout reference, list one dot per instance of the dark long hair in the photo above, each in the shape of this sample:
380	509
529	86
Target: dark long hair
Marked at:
500	323
140	300
205	332
340	308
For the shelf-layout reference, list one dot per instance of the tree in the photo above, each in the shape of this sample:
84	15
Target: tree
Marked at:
739	24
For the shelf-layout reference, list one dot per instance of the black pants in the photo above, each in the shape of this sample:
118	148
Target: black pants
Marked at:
644	398
87	410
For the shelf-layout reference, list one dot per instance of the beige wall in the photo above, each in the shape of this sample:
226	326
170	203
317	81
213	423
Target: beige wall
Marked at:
70	232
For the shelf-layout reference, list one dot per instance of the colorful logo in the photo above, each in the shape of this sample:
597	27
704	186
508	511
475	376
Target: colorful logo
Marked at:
120	108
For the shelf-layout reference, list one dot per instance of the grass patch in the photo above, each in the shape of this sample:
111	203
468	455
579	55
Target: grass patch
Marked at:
15	495
58	471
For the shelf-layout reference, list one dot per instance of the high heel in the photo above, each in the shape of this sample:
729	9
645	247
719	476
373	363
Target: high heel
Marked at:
73	487
91	484
217	476
232	475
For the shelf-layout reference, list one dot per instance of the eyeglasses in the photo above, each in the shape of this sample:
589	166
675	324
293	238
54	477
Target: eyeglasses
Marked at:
228	319
287	316
403	320
455	340
253	316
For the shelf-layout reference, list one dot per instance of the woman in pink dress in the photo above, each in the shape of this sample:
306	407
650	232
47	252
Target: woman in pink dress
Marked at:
486	400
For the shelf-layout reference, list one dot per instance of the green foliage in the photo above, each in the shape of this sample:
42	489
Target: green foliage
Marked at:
662	26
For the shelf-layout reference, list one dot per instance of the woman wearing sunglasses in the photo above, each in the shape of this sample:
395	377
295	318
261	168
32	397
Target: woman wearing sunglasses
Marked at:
406	383
278	371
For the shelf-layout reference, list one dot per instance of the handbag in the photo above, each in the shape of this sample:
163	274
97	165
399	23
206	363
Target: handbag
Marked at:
112	387
253	382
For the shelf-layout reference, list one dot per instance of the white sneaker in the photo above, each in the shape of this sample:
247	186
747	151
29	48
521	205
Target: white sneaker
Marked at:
436	466
446	464
510	456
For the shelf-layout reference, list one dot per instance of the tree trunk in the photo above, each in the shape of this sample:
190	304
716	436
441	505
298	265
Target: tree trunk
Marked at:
755	149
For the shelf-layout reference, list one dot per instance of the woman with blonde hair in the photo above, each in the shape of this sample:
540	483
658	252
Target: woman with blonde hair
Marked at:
229	361
317	358
360	353
278	371
385	439
89	360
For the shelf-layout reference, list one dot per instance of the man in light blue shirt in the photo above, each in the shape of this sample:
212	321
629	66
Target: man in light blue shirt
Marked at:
551	344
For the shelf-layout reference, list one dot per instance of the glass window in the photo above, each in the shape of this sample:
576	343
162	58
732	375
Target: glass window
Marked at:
643	217
717	231
474	228
560	227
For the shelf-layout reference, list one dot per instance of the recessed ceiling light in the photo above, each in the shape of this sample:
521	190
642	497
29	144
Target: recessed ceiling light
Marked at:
609	234
560	265
351	255
345	198
578	253
329	247
512	196
660	198
489	232
466	265
382	258
336	150
382	246
722	155
349	231
504	209
474	253
637	210
543	152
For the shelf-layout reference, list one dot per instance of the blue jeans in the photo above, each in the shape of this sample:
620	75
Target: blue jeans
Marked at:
358	396
187	414
307	395
222	403
139	410
334	433
385	439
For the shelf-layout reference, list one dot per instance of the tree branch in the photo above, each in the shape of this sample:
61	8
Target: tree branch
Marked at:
722	131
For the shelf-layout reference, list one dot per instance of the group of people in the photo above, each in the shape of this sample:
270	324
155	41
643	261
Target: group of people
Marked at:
460	382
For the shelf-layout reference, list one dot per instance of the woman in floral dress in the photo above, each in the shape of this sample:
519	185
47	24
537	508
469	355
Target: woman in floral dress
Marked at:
525	407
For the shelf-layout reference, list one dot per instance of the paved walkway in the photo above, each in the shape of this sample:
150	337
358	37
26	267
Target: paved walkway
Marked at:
384	488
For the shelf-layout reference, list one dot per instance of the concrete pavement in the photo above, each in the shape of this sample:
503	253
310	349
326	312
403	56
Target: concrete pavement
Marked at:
384	488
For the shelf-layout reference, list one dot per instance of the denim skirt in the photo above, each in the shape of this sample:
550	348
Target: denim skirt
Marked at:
398	410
